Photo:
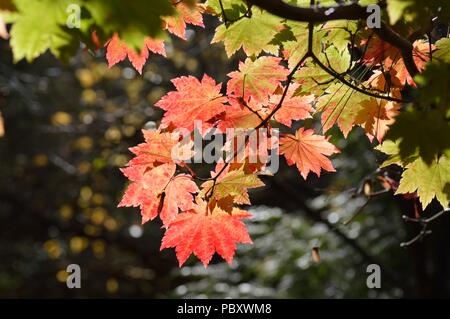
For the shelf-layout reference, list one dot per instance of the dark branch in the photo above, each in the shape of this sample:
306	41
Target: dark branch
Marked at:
349	12
424	222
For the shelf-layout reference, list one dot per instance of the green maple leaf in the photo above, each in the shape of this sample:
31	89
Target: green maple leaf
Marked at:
421	133
433	86
392	148
252	34
429	181
32	35
341	105
232	183
234	9
443	50
338	33
312	80
114	16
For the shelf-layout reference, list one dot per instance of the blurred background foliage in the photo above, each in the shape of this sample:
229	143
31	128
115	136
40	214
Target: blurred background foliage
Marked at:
67	132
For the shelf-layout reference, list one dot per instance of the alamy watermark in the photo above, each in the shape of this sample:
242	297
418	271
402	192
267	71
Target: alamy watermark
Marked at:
73	16
73	280
235	145
374	279
374	19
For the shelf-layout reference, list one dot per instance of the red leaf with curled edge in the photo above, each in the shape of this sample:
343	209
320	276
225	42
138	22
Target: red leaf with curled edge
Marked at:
421	55
117	51
204	232
185	14
307	151
193	100
158	191
378	51
256	79
294	108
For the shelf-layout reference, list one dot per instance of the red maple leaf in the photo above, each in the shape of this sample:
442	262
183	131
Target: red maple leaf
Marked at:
381	52
421	55
185	14
157	149
294	108
193	100
204	232
256	79
158	191
307	151
117	50
378	51
242	115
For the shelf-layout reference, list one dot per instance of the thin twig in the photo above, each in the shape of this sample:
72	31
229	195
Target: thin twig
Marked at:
424	222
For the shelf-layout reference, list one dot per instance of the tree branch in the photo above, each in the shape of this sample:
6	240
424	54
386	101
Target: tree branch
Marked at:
424	222
349	12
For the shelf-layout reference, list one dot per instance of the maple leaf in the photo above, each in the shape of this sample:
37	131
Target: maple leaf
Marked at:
140	193
233	9
241	114
158	191
307	151
204	232
309	77
338	33
443	50
242	33
248	149
117	50
294	108
381	52
256	79
421	133
295	49
428	180
234	183
157	149
376	117
193	100
378	51
379	82
421	55
185	14
32	34
340	105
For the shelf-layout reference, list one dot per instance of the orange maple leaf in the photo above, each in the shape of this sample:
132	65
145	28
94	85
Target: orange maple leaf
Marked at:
294	108
376	117
193	100
307	151
157	149
158	191
241	114
256	79
378	51
117	51
185	14
381	52
204	232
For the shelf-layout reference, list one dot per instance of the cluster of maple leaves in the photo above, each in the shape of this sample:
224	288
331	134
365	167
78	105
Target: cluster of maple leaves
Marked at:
205	219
